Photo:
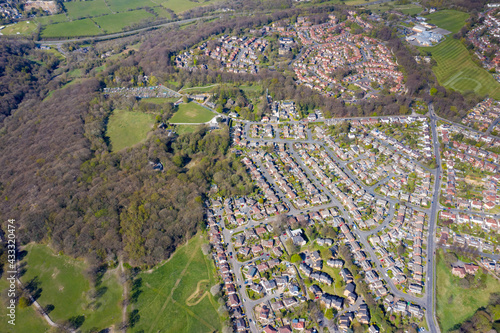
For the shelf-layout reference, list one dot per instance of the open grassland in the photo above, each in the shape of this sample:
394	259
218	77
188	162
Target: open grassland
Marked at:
409	9
21	28
126	128
191	113
456	70
27	320
451	20
179	6
116	22
76	28
456	304
175	296
183	129
57	18
124	5
79	9
63	284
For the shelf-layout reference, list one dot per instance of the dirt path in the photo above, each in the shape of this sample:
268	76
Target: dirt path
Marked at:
124	296
170	297
195	294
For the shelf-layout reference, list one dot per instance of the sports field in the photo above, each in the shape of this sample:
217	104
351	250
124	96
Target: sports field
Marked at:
76	28
64	285
456	304
175	296
21	28
116	22
456	70
191	113
126	128
451	20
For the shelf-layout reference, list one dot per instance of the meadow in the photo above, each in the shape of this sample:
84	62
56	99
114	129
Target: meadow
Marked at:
116	22
64	285
124	5
175	296
456	304
191	113
76	28
179	6
80	9
126	128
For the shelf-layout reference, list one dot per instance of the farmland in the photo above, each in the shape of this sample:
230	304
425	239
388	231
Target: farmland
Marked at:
124	5
77	28
174	297
63	284
191	113
126	128
116	22
80	9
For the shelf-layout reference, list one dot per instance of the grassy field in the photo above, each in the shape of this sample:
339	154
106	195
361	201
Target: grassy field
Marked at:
182	129
175	296
159	100
57	18
409	9
191	113
456	70
455	304
27	320
179	6
124	5
451	20
116	22
76	28
65	286
80	9
21	28
126	128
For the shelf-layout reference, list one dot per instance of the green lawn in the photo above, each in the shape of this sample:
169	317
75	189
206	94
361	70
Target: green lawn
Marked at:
21	28
76	28
182	129
116	22
159	100
175	296
126	128
451	20
79	9
65	286
455	304
456	70
124	5
191	113
27	320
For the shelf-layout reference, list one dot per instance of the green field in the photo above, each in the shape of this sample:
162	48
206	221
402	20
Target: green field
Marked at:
179	6
124	5
191	113
175	296
126	128
27	320
116	22
456	70
21	28
65	286
57	18
76	28
183	129
80	9
409	9
456	304
451	20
